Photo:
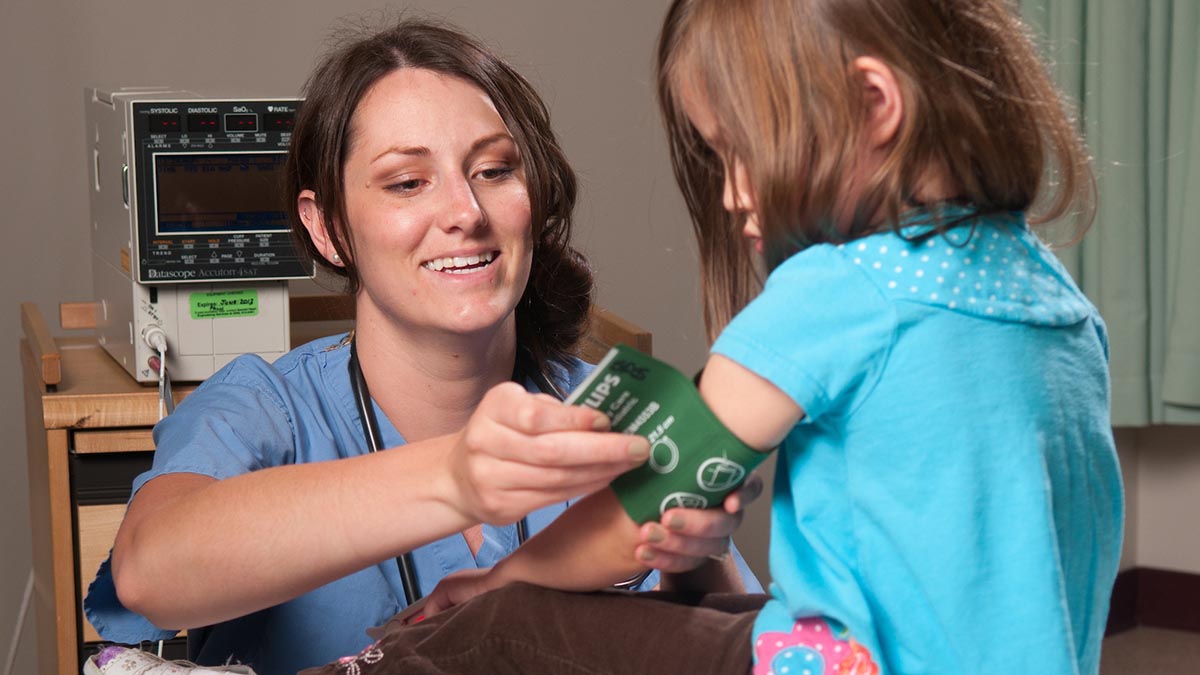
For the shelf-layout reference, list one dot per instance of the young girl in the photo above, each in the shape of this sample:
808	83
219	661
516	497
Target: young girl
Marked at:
947	497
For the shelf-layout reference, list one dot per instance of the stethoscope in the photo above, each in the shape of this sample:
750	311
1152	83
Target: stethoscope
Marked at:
370	425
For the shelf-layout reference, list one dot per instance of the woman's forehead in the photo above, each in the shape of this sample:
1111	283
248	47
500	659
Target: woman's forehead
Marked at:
419	108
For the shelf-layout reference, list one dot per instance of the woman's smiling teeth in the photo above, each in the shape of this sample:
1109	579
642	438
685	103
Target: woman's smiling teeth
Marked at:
460	264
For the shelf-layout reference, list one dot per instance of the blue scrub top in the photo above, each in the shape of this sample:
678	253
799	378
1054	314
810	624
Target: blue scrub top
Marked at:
253	415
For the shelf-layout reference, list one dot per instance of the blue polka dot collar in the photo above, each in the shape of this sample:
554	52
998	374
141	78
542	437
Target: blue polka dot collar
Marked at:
992	267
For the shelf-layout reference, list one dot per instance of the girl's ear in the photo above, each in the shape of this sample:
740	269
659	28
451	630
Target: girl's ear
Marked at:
314	221
881	92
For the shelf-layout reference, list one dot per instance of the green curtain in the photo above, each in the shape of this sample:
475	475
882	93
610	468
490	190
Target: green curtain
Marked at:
1133	68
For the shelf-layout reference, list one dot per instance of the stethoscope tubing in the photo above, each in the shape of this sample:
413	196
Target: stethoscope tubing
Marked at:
366	413
370	424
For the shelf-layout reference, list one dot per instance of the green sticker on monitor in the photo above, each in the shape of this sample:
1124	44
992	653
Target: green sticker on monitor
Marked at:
694	459
224	304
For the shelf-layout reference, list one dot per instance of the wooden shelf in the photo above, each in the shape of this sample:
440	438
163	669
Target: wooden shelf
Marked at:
96	393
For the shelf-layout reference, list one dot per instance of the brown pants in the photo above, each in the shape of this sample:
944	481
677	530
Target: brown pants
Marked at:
528	629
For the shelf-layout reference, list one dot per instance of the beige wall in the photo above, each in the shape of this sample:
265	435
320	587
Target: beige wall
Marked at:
1165	531
591	60
1161	468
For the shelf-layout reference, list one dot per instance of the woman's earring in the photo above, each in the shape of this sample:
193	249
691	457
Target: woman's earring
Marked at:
337	259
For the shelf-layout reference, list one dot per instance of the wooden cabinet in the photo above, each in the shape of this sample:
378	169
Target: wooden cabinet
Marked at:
86	437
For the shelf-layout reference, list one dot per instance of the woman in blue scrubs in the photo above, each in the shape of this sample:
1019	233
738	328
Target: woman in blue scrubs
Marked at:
423	171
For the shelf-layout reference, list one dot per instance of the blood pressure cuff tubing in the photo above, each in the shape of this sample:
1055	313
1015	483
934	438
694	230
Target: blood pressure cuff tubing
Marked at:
695	461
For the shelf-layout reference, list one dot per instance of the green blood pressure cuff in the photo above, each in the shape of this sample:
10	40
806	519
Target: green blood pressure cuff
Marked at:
694	460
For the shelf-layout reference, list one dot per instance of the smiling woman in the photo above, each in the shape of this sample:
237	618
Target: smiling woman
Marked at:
369	134
432	195
423	171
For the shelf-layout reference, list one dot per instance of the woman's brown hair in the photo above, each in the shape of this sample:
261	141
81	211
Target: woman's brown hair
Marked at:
979	105
553	311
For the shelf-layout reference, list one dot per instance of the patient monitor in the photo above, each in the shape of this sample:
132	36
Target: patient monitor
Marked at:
191	250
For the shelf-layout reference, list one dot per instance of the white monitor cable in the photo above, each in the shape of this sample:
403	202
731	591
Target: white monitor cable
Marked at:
156	339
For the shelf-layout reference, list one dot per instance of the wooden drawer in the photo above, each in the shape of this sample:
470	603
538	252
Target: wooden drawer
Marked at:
97	531
103	466
115	440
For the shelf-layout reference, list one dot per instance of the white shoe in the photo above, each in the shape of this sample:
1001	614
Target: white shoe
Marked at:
117	660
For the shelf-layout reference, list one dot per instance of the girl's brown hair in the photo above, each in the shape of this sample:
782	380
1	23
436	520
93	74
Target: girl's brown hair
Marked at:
553	311
979	105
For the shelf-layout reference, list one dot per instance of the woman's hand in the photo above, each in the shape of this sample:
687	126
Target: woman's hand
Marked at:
521	451
454	589
685	539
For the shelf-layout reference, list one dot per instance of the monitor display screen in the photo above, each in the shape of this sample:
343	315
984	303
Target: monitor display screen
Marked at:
198	193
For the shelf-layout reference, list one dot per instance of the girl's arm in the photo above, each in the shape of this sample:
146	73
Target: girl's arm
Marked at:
593	544
690	546
755	410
